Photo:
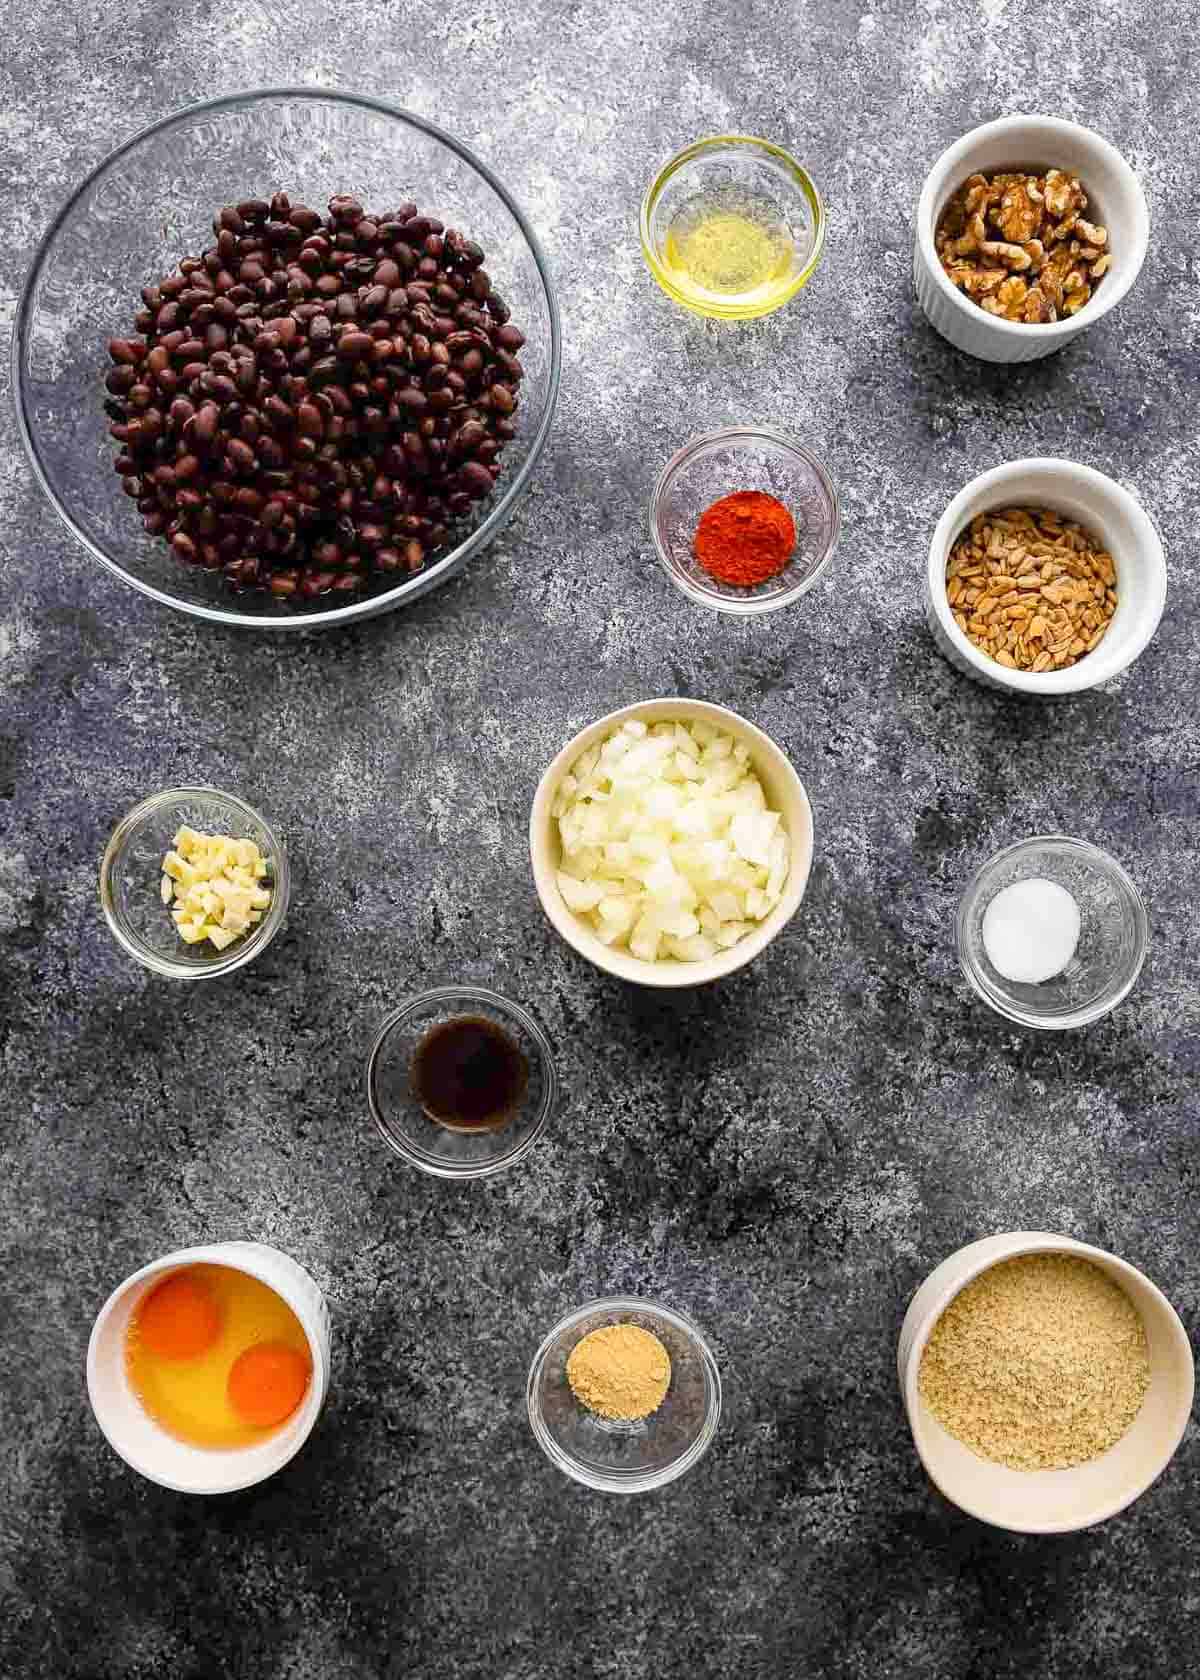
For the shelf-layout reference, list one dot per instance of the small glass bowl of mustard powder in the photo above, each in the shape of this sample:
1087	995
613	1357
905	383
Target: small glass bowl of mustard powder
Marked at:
624	1395
732	227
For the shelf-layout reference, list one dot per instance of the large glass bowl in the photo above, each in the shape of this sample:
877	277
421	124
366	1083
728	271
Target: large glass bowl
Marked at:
149	204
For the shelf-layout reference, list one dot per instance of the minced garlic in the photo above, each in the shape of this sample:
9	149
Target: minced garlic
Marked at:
217	886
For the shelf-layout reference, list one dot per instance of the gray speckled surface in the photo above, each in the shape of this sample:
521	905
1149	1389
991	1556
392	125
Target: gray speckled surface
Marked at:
785	1156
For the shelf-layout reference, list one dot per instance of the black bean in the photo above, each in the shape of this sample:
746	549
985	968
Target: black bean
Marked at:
204	426
353	345
475	480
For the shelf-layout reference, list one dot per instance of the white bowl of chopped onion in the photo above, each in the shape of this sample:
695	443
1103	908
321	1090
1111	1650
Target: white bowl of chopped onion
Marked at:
671	841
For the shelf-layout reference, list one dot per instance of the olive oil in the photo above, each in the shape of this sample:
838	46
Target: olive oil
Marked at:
729	251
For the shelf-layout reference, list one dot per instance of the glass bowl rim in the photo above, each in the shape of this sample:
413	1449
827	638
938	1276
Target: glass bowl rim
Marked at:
731	142
386	600
417	1157
1067	1019
750	605
634	1481
241	951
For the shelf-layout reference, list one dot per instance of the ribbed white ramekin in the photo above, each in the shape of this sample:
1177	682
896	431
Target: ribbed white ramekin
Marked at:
1115	200
1100	504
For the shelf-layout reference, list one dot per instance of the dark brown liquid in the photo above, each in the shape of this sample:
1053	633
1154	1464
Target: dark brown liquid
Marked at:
468	1075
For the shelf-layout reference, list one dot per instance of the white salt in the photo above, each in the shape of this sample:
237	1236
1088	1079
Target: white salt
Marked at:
1030	930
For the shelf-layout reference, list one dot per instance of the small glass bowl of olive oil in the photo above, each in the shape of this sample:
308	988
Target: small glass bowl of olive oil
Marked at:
732	227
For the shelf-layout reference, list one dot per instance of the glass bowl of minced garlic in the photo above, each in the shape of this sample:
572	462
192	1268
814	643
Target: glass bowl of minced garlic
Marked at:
194	883
1047	1383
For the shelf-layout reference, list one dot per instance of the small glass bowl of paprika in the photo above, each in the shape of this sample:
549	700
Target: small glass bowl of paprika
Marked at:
744	520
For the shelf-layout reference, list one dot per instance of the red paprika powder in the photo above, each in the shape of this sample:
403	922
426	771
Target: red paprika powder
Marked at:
745	538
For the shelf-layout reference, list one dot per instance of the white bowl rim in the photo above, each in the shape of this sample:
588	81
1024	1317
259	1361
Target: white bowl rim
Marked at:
621	964
449	564
633	1481
1075	678
1104	298
245	1261
1037	1242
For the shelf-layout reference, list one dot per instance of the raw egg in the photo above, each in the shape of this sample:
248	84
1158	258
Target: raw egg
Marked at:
267	1383
217	1358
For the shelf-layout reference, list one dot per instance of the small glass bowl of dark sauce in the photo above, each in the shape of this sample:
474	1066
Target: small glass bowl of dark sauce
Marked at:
461	1082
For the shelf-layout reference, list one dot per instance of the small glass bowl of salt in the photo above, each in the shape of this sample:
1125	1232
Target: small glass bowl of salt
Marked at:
1052	933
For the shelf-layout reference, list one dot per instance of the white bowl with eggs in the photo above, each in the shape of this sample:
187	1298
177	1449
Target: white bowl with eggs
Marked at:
1115	199
1050	1501
145	1444
784	794
1096	502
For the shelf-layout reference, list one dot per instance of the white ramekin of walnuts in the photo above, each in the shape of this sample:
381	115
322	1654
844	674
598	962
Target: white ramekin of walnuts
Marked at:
1029	229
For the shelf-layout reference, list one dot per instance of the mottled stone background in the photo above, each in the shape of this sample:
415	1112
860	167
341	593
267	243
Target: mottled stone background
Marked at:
785	1156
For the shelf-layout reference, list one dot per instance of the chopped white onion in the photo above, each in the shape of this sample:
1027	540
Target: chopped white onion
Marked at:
668	847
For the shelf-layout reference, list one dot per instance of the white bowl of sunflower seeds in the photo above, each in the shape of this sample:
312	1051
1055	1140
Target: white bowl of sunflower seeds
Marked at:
1044	578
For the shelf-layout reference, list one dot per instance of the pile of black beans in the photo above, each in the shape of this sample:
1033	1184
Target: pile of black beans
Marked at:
310	405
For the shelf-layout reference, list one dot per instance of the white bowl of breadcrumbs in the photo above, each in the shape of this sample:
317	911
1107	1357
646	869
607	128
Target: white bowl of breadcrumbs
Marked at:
1047	1383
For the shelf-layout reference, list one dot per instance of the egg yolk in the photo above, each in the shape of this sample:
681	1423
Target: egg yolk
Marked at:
267	1383
180	1319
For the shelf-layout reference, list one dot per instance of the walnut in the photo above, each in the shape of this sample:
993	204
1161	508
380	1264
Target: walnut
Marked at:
1038	307
1016	258
1008	299
976	191
969	240
979	281
1018	245
1062	193
1053	273
1018	217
